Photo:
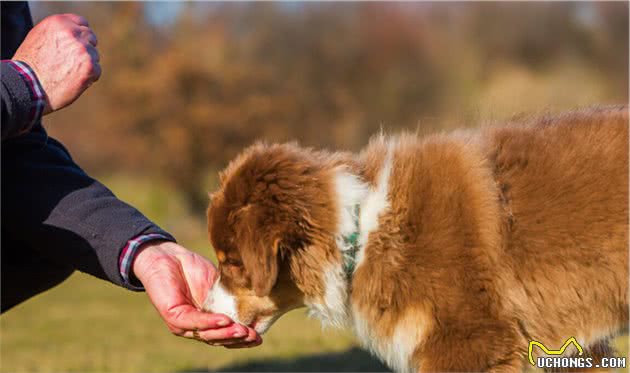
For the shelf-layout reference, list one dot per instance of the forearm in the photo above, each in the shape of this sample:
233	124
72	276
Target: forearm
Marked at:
51	204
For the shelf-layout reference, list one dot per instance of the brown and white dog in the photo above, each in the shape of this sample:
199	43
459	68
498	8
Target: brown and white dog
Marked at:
443	253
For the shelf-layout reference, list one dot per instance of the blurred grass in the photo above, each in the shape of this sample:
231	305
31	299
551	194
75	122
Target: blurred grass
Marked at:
89	325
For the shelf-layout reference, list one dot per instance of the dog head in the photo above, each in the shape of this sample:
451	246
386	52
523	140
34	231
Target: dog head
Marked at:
272	224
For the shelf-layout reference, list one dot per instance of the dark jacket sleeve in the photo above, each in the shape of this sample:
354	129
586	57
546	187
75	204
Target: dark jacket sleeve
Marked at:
52	205
16	102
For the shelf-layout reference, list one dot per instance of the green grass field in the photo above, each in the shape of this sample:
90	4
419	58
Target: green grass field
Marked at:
87	325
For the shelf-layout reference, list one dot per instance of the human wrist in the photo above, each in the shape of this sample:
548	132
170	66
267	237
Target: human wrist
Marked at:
148	254
35	83
27	95
129	252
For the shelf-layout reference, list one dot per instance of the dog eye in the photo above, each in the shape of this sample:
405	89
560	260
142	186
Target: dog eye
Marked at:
233	262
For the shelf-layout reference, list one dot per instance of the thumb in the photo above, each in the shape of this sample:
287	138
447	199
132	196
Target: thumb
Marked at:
199	275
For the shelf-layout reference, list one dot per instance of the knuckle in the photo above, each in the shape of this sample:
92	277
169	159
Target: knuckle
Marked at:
79	19
69	33
62	20
55	18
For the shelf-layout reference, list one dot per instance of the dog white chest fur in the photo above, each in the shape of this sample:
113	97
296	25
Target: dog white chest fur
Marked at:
334	308
397	350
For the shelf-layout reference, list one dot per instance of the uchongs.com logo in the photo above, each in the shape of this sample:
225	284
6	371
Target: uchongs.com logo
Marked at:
554	360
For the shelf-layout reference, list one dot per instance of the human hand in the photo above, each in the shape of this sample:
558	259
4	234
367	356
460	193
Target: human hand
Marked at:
61	50
177	281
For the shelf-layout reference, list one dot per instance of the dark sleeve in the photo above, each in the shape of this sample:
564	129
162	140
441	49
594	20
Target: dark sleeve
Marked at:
17	102
52	205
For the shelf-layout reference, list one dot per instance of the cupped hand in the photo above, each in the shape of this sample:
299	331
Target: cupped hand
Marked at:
177	281
61	50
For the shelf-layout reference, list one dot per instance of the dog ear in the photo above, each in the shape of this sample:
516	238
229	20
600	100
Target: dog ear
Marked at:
261	263
259	252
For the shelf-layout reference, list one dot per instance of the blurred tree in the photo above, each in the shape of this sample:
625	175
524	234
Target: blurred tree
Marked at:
178	101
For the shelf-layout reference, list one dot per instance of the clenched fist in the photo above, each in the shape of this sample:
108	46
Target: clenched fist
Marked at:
61	49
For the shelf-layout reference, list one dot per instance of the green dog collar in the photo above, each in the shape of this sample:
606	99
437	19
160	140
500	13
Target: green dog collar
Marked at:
352	243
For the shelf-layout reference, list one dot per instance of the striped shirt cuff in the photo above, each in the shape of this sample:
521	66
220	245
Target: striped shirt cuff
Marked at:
38	97
128	253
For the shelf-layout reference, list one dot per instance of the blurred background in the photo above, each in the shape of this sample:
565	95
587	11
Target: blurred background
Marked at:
186	86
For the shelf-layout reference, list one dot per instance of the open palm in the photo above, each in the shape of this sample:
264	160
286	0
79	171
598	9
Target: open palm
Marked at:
177	282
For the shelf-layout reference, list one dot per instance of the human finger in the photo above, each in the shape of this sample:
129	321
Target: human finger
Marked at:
88	35
234	331
79	20
93	52
257	342
186	317
239	333
251	337
96	71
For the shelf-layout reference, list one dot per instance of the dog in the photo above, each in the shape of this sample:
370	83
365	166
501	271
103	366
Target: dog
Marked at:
447	252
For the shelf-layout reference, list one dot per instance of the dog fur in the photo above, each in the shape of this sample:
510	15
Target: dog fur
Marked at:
471	243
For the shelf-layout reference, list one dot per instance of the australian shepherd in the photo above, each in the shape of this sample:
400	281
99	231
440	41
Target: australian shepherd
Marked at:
447	252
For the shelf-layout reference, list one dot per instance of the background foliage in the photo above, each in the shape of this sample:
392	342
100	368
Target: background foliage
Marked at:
177	101
186	86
